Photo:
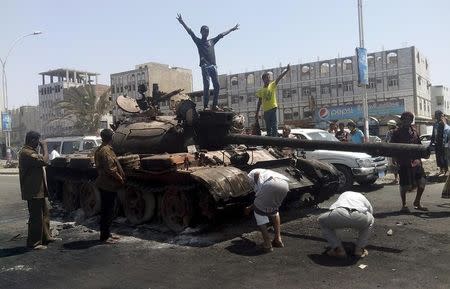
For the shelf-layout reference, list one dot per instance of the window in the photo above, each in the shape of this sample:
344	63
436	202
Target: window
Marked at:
392	81
371	60
439	99
287	114
250	79
88	144
286	93
113	89
392	58
348	86
418	57
250	98
372	83
235	99
69	147
420	105
419	80
324	69
305	70
54	145
306	91
324	89
234	80
348	66
379	80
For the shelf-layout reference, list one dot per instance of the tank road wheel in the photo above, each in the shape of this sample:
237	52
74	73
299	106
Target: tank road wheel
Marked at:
345	177
90	200
176	209
138	205
70	195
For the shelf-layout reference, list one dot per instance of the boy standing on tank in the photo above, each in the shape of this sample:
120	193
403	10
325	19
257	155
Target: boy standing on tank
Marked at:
207	55
109	180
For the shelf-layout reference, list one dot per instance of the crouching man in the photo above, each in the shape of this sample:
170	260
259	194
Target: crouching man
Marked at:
270	190
351	210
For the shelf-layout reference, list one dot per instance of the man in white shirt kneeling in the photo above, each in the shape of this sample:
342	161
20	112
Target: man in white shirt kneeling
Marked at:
351	210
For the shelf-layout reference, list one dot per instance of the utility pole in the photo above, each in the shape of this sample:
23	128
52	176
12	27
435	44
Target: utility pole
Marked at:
361	45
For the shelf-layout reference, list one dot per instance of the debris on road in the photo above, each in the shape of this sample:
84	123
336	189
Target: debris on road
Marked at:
390	232
362	266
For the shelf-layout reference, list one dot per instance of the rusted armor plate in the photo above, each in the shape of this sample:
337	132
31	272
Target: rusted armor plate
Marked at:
224	182
127	104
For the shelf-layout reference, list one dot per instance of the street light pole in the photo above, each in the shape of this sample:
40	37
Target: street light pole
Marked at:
361	45
5	83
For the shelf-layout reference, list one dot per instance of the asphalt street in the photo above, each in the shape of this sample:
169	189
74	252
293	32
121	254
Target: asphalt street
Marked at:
415	256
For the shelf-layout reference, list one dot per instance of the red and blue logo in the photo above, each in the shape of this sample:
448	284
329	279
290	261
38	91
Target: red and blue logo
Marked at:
324	113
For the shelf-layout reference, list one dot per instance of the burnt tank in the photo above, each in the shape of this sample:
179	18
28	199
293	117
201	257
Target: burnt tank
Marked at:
187	168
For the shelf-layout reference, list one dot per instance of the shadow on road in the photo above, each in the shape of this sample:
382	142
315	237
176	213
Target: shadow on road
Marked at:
81	245
245	247
367	188
7	252
423	215
324	260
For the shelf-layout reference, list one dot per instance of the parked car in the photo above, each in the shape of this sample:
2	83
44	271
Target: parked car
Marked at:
359	167
73	144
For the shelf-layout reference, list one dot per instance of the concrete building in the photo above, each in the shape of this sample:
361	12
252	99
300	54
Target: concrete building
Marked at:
440	99
168	79
23	119
327	90
54	86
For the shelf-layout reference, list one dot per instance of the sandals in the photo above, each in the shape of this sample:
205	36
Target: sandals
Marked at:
361	253
277	244
404	209
336	253
420	208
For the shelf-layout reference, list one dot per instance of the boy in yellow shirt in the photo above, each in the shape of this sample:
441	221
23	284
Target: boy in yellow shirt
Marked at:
267	96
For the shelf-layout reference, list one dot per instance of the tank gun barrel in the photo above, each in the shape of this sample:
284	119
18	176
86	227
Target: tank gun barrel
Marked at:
375	149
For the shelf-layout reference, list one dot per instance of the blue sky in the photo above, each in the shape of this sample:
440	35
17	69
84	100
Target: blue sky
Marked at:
113	36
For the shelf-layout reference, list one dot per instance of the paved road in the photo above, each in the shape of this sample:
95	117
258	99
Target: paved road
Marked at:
416	256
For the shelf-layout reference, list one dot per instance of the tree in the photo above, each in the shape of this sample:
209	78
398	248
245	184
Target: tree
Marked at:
83	108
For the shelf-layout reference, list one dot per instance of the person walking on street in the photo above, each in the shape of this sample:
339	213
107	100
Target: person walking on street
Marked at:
437	139
392	163
351	210
34	190
267	96
356	135
207	55
270	190
411	171
341	134
332	128
109	180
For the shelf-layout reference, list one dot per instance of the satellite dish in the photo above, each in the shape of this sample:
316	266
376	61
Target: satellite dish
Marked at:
127	104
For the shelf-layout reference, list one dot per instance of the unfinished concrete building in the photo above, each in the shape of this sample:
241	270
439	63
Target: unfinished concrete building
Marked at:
52	90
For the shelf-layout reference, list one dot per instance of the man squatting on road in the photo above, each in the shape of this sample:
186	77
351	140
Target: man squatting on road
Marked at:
207	56
109	180
34	190
270	190
267	96
351	210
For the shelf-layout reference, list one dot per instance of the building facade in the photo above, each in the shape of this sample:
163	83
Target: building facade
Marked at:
166	77
440	99
23	119
327	90
53	89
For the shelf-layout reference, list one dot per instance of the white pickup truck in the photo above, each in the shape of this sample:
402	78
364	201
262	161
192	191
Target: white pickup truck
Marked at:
359	167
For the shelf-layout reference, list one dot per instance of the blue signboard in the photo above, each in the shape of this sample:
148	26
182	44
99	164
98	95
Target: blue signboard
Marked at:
355	111
363	71
6	121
